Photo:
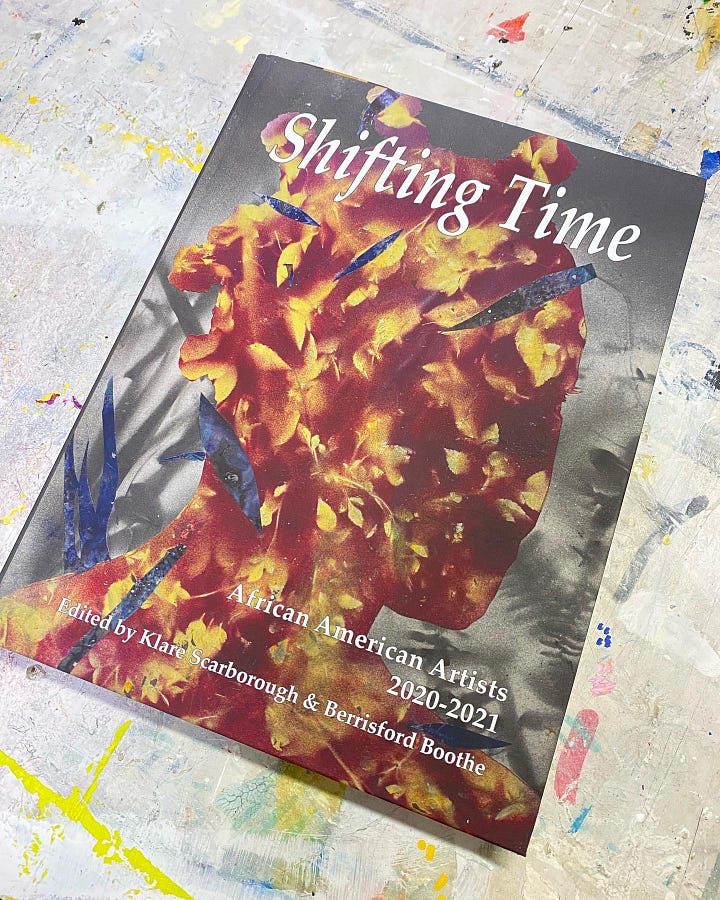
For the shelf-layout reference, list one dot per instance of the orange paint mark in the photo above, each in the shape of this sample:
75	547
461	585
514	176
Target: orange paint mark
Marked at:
48	399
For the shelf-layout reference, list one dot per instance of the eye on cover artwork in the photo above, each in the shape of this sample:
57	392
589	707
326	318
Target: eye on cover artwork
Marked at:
290	524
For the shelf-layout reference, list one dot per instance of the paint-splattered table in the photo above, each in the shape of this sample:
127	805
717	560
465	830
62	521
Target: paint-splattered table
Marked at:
107	113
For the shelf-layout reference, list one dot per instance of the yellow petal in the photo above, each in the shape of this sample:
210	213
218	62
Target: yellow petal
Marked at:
458	462
536	488
325	517
266	358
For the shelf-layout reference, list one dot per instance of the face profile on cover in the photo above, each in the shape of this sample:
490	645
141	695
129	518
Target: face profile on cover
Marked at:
360	454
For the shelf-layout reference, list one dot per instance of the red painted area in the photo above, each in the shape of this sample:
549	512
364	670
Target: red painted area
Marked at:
511	30
572	757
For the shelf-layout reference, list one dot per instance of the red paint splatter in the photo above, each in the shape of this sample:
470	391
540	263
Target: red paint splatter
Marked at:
573	755
511	30
48	399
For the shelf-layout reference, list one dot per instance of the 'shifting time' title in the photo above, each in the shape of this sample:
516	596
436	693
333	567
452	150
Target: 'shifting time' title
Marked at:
441	189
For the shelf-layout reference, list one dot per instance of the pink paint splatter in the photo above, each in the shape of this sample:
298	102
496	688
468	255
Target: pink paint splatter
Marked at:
48	399
511	30
572	756
601	682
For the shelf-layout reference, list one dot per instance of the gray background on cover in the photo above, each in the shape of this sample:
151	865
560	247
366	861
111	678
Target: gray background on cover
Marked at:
530	638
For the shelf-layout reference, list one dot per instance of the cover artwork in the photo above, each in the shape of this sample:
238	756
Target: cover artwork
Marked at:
346	485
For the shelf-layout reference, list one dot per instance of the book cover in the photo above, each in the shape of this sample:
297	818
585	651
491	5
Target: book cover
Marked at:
346	485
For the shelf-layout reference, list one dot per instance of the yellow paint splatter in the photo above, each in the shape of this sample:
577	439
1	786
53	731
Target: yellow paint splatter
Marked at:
707	20
6	141
32	99
163	151
241	42
644	466
667	539
99	766
216	17
428	848
109	846
13	512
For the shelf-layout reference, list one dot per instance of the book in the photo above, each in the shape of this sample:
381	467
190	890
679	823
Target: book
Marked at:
345	487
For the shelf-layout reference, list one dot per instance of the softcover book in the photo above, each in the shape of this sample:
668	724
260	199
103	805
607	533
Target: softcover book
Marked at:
346	485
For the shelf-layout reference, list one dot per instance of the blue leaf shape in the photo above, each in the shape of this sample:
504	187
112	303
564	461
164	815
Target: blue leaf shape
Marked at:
288	210
369	255
93	545
461	738
377	105
70	490
229	460
130	604
196	455
110	476
530	296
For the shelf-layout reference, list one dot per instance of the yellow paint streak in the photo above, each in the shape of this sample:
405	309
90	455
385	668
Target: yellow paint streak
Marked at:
441	882
163	151
708	25
78	172
215	17
6	141
13	512
109	845
241	42
99	766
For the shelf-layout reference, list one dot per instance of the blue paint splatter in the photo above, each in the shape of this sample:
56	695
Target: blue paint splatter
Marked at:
579	819
710	163
605	638
137	51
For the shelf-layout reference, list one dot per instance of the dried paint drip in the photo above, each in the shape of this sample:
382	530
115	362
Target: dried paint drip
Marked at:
573	754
